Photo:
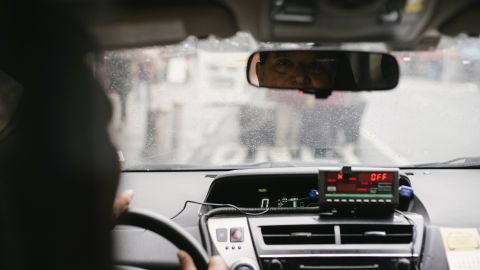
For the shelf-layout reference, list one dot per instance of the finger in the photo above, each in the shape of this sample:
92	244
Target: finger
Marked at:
217	263
121	203
185	260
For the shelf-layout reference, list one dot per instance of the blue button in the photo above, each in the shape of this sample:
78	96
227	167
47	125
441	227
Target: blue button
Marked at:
313	195
243	267
405	191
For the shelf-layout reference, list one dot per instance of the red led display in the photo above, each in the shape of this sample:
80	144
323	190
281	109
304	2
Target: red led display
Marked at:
344	187
362	177
376	177
359	182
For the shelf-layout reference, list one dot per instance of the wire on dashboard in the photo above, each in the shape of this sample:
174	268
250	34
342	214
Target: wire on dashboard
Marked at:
414	233
231	209
221	205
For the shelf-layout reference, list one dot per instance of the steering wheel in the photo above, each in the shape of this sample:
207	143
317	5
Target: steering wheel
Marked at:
168	229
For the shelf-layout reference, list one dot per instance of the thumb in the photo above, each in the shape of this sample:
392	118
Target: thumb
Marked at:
121	203
217	263
186	261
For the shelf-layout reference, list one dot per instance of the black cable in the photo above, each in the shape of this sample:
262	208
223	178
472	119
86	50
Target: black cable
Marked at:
221	205
204	234
414	233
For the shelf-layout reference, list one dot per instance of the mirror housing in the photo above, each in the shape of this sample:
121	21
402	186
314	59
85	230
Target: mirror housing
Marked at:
321	71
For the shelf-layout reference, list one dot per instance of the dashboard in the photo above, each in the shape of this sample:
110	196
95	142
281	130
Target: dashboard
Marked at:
296	189
284	188
296	217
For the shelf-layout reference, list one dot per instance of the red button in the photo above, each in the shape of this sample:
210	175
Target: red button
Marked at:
236	235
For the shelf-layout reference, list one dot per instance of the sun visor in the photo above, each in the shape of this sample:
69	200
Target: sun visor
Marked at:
124	26
333	21
465	22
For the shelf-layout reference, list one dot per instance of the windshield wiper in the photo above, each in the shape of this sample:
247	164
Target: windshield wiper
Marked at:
461	162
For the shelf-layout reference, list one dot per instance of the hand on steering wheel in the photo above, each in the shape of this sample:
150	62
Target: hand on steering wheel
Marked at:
168	229
121	202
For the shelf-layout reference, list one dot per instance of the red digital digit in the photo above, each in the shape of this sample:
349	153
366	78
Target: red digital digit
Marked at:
373	177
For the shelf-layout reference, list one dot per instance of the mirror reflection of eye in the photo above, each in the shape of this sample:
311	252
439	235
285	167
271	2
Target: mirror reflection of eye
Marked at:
319	66
283	65
316	67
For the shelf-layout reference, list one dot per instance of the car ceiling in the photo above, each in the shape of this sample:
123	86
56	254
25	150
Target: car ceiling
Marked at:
404	24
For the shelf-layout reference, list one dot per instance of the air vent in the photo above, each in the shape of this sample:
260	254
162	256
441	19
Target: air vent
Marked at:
298	234
376	234
351	4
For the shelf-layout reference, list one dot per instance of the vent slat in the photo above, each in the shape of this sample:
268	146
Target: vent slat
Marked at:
289	235
376	234
298	234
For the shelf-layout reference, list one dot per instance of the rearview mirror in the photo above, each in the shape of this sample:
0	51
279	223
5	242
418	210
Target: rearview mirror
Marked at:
313	70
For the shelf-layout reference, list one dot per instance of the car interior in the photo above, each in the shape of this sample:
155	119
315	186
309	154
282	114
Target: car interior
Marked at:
71	140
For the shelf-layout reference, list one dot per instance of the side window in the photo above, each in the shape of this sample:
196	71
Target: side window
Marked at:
10	93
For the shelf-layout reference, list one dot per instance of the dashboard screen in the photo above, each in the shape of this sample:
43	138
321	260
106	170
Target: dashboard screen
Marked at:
266	191
359	185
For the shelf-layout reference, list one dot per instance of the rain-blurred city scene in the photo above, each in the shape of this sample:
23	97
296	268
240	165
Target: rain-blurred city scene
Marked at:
191	104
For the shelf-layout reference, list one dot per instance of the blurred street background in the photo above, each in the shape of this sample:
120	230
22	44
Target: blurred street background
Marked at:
191	104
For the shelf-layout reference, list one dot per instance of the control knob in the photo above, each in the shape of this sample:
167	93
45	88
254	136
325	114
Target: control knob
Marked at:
243	264
275	265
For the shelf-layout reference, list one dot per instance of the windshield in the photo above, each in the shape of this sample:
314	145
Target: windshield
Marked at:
190	105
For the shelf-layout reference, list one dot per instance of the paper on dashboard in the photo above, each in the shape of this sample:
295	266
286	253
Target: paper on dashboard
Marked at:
462	246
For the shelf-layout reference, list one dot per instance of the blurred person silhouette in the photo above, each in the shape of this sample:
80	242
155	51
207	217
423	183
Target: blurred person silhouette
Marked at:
59	170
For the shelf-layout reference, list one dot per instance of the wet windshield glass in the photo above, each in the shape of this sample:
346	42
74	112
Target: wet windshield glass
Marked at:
190	104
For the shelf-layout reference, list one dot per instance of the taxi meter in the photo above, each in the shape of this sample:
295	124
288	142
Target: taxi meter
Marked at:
359	191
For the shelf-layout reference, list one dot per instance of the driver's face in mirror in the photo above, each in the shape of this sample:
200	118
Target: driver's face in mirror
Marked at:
297	70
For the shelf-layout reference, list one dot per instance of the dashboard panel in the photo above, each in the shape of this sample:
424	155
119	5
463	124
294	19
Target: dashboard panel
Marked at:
166	193
327	213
